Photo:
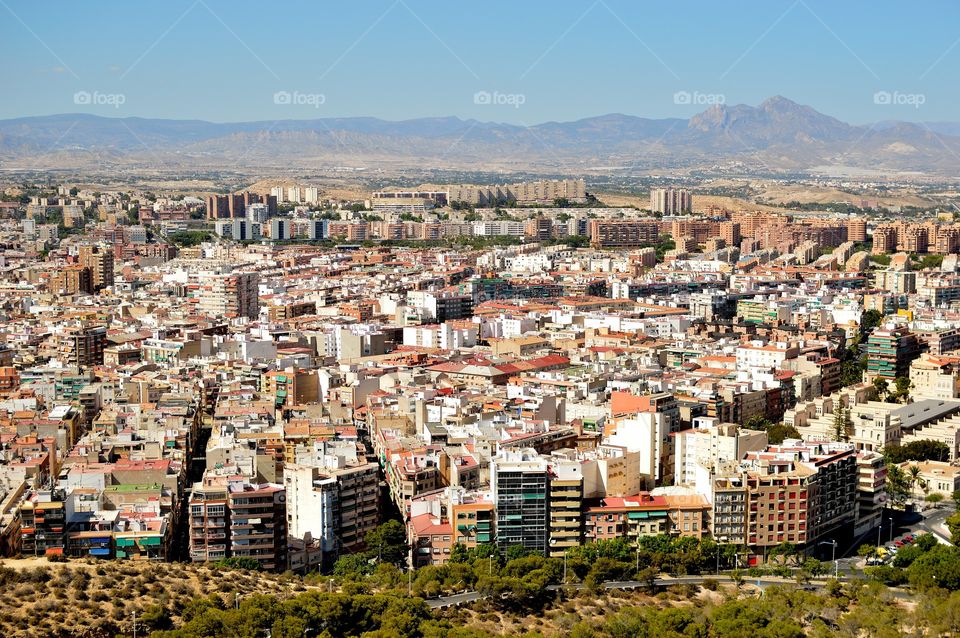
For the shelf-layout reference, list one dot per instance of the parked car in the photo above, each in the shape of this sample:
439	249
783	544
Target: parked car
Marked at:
898	543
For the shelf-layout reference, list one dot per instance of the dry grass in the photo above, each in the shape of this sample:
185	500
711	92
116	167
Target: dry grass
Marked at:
89	599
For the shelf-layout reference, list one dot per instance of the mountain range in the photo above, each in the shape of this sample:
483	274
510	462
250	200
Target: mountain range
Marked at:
777	136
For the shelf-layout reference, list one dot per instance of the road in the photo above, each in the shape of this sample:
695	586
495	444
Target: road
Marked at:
762	583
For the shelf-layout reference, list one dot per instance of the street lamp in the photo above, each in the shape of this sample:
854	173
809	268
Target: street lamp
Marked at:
833	557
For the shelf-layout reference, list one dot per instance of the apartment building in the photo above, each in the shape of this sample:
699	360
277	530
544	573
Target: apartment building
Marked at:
710	443
82	346
612	234
209	522
43	524
670	201
629	517
519	482
565	507
935	377
258	523
890	352
230	295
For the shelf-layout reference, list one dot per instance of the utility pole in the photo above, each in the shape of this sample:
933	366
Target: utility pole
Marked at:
134	614
836	565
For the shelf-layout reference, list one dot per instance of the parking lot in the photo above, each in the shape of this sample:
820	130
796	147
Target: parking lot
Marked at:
887	552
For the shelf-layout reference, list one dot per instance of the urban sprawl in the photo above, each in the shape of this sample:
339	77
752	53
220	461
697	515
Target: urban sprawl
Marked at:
272	375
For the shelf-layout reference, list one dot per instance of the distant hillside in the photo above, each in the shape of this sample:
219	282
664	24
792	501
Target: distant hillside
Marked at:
777	136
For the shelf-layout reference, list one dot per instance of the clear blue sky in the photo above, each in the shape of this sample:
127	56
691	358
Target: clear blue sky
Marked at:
225	60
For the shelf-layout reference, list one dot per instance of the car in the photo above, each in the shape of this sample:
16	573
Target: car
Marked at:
909	538
898	543
892	549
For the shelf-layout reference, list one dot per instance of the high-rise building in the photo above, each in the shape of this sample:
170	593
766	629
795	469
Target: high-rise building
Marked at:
82	346
279	229
539	228
43	524
209	522
218	207
258	523
604	233
258	213
884	240
72	279
312	505
857	229
796	494
519	480
230	295
316	229
566	508
670	201
730	233
99	259
890	351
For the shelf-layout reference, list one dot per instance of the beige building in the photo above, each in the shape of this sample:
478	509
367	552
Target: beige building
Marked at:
933	478
934	377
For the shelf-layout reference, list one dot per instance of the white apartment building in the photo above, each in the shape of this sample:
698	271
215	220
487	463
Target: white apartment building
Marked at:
311	503
759	356
498	228
709	443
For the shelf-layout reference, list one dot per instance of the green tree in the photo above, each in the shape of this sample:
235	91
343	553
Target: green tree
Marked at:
757	423
953	524
880	387
352	566
779	432
870	320
388	543
239	562
898	485
922	450
901	391
866	551
842	423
